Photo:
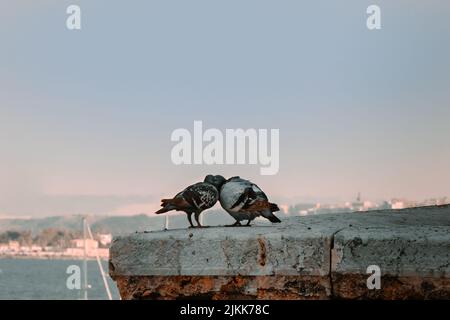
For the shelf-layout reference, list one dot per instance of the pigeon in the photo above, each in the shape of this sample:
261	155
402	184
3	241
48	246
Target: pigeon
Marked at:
195	198
244	200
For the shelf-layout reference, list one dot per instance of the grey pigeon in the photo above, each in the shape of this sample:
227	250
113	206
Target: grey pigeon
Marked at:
244	200
195	198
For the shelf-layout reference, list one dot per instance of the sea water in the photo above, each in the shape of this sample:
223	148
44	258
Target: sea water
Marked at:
47	279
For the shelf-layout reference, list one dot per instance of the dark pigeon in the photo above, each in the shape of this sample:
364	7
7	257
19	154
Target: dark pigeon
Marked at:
244	200
195	198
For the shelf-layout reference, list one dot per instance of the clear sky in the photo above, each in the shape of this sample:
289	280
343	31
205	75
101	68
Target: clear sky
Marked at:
86	116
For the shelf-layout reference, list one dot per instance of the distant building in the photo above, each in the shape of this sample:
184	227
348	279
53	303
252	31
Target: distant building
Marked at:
368	205
77	250
358	205
14	245
90	244
105	239
397	204
284	208
92	249
103	253
384	206
35	248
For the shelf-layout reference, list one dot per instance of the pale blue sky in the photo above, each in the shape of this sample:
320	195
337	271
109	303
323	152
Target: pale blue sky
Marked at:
86	116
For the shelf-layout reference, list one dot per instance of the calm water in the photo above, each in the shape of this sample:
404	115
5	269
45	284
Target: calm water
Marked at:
46	279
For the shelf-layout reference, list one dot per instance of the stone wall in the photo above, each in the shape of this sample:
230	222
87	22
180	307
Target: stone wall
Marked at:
312	257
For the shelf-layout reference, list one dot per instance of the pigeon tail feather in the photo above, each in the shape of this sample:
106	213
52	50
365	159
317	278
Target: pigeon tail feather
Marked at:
269	215
172	204
165	209
274	207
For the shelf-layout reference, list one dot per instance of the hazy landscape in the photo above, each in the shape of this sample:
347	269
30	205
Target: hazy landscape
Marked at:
116	225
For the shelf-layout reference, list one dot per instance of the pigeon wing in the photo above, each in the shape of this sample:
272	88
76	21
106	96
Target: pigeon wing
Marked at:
201	195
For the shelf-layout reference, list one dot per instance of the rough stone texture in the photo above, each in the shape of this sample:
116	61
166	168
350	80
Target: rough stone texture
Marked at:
253	251
414	261
223	287
313	257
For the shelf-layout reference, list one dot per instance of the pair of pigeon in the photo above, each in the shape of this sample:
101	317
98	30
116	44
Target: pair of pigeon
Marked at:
241	198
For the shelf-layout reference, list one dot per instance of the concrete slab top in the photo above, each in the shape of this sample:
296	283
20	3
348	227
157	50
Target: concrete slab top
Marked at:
403	242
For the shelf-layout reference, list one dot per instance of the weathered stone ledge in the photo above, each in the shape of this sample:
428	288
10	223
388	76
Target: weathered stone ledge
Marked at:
313	257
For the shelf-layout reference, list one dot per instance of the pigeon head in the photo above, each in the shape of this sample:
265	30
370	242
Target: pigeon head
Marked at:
216	181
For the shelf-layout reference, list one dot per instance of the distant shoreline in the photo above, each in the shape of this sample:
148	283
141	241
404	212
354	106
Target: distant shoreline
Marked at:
16	257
